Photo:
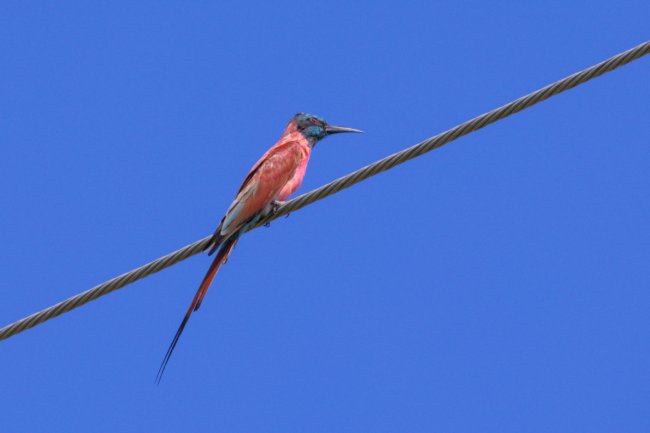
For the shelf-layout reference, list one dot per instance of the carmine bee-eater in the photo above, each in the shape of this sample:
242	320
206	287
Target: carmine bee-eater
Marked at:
276	176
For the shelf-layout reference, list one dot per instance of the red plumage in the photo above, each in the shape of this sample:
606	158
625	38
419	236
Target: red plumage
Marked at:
277	175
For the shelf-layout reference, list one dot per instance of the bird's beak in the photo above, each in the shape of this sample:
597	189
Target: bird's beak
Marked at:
331	129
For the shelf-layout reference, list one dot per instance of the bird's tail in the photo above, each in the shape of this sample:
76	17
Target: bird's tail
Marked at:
220	259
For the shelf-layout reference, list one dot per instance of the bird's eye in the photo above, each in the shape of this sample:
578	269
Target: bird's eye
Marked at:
314	121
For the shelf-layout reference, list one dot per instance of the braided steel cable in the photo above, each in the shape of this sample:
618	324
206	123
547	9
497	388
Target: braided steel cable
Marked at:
462	129
337	185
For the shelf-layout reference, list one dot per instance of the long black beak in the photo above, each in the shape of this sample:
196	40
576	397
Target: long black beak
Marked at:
331	129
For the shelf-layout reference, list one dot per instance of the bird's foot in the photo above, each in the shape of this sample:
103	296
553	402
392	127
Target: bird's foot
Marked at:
275	205
273	209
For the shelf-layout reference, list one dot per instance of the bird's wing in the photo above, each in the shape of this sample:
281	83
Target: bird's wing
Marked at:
262	185
248	189
259	163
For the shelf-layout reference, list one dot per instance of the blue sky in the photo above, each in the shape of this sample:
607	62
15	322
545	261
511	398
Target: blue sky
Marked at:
499	284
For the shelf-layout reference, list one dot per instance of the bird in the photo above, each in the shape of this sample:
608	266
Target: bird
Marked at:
273	178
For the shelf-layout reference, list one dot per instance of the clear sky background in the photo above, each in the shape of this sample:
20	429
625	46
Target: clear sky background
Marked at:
499	284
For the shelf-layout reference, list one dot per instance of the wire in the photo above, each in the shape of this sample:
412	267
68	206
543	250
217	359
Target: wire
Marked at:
337	185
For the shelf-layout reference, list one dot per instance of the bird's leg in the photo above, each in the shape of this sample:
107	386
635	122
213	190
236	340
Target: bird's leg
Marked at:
275	205
273	209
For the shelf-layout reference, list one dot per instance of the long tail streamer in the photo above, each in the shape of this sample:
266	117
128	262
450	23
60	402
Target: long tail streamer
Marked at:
220	259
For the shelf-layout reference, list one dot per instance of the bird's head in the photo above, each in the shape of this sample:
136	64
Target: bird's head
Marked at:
314	128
